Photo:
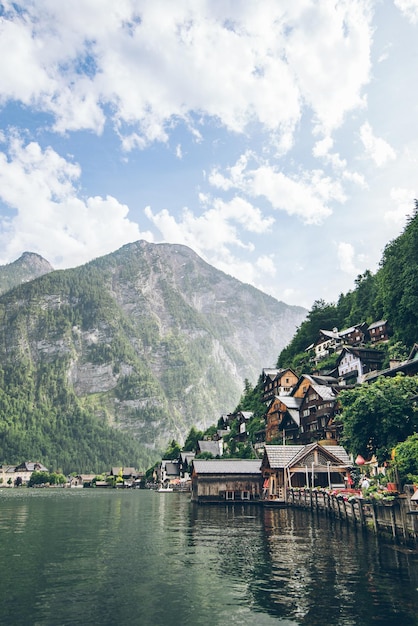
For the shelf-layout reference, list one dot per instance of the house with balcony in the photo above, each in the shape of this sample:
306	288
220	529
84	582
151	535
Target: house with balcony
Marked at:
354	362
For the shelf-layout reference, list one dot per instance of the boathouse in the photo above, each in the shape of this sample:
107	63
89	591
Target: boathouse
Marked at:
226	480
313	465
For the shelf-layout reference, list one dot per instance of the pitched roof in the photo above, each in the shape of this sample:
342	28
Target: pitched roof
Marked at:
325	392
209	446
280	457
172	468
186	457
292	405
227	466
378	323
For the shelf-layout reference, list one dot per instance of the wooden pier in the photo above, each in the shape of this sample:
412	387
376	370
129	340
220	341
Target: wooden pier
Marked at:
395	518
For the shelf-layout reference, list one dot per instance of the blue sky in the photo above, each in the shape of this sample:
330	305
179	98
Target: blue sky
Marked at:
277	139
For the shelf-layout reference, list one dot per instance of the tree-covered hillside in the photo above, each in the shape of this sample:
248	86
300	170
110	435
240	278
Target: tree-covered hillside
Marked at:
391	293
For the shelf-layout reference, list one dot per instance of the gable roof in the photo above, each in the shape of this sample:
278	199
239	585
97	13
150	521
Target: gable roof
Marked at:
281	457
292	405
172	468
209	446
366	354
325	392
186	457
29	466
378	323
227	466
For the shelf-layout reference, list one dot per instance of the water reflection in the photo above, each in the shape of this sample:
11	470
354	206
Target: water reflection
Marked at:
89	556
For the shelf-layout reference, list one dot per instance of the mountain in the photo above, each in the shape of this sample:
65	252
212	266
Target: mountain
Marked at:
26	268
128	351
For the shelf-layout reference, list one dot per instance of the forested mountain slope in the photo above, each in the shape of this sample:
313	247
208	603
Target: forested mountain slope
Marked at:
104	363
391	293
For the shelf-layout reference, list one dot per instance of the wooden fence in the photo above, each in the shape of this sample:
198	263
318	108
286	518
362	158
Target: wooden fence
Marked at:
396	518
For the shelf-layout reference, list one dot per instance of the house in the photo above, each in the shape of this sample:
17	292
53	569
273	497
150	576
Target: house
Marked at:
241	419
127	476
82	480
282	417
408	367
185	463
317	411
312	465
7	475
167	472
226	480
378	331
328	342
354	362
215	448
355	335
278	382
12	475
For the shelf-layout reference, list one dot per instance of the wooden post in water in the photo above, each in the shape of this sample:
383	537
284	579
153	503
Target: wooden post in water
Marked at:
361	512
393	520
374	517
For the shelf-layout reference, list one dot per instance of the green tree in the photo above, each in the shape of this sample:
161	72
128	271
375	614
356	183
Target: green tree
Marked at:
378	416
398	282
173	450
406	459
192	438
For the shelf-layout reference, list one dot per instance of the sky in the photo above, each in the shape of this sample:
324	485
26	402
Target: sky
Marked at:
277	139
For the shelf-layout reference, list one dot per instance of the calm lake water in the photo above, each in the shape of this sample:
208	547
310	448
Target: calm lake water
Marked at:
105	558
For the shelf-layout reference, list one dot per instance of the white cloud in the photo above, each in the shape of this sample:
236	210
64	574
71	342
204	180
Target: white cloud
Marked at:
409	8
50	217
229	61
346	256
402	202
328	48
379	150
305	195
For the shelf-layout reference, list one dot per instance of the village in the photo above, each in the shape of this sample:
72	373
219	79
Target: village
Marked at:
296	451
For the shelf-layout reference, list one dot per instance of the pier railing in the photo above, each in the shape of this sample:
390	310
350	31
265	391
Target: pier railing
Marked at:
394	516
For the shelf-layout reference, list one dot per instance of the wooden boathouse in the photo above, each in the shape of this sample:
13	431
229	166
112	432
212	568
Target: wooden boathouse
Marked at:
310	466
226	480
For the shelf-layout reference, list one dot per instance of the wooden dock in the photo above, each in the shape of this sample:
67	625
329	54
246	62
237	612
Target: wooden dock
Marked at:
396	518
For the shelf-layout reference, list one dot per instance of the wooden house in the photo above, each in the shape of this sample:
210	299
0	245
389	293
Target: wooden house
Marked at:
312	465
282	417
355	335
317	411
378	331
226	480
354	362
278	382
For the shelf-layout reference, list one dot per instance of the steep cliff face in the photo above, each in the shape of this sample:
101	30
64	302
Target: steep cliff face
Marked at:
151	338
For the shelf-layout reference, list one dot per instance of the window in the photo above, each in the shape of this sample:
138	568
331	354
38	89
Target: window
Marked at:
245	495
229	495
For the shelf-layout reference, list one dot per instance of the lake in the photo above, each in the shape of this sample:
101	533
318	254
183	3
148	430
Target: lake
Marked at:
134	557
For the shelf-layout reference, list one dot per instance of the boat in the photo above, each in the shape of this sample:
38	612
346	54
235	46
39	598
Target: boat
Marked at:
163	489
